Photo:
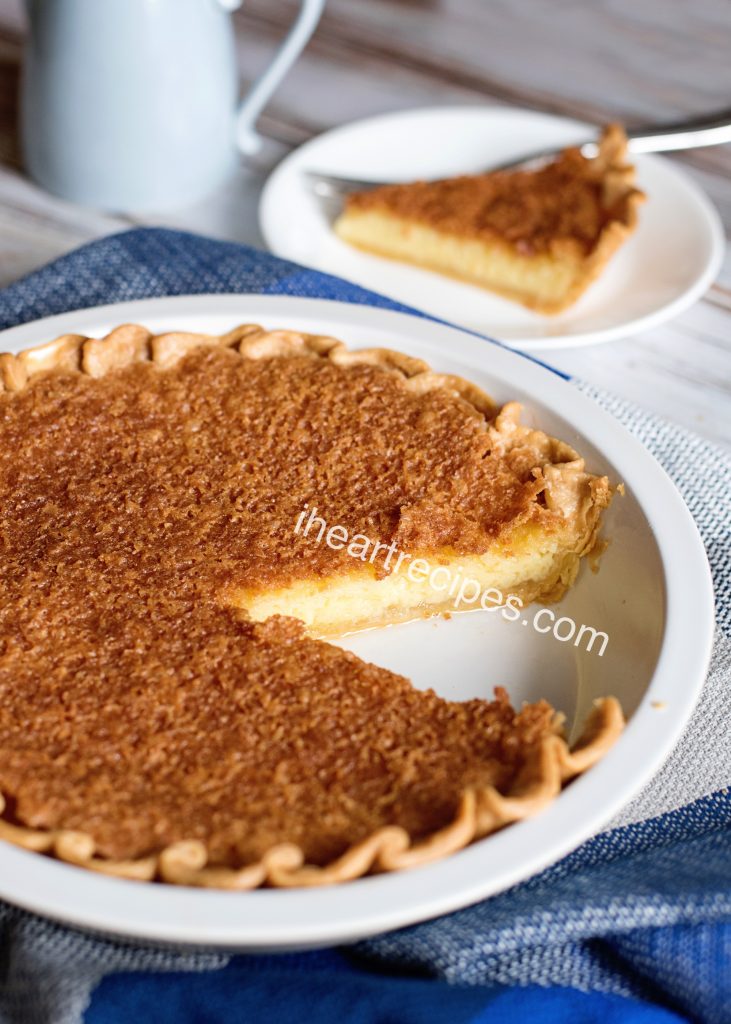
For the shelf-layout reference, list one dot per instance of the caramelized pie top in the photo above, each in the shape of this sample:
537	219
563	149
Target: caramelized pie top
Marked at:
198	474
570	200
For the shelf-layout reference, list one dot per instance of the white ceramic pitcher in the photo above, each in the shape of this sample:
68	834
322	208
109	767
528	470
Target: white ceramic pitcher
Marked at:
131	105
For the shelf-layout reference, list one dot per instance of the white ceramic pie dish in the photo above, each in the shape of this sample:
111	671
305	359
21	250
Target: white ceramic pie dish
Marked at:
652	597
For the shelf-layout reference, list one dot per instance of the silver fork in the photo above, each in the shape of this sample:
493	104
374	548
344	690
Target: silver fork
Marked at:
709	130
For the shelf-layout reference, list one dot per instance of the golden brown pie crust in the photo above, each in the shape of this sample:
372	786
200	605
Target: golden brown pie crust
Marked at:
123	678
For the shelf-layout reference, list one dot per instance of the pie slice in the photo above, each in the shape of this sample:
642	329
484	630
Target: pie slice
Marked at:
539	237
166	709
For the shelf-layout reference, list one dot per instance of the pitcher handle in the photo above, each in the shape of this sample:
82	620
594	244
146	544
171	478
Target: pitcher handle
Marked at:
261	91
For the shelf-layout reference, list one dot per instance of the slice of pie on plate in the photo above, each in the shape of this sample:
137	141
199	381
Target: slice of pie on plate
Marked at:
166	708
539	237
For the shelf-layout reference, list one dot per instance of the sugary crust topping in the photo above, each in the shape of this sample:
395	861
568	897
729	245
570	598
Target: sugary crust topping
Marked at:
412	379
568	204
162	735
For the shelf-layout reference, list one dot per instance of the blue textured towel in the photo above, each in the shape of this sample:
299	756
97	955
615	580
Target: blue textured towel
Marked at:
634	926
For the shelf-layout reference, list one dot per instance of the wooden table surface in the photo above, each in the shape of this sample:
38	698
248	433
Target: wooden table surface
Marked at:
595	59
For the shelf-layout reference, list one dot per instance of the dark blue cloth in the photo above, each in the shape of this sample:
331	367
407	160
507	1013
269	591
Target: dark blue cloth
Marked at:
319	989
634	926
640	918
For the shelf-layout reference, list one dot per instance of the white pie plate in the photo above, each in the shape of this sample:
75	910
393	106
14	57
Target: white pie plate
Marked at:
652	597
668	263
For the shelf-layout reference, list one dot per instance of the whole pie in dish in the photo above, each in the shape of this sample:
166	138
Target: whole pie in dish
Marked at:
539	237
166	709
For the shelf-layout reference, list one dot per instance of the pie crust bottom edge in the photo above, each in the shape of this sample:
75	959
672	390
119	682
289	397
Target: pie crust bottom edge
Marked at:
390	848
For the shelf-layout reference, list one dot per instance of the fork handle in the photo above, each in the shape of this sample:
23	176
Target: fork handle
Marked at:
709	130
688	134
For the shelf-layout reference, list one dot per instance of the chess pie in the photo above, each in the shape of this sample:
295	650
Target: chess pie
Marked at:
167	708
539	237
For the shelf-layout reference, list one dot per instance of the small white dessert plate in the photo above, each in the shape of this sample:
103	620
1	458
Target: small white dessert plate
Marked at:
652	598
667	264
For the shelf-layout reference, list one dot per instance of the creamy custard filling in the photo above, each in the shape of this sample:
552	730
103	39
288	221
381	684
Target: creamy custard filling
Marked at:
536	566
541	278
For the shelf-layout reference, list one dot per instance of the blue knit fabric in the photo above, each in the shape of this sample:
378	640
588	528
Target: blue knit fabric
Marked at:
635	926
